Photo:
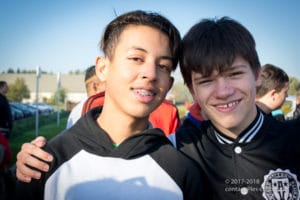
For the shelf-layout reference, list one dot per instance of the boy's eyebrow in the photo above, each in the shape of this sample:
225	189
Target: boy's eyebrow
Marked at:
135	48
200	78
166	58
238	66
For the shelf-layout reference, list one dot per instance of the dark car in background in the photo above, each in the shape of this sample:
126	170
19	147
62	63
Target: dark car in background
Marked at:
16	113
22	110
43	108
28	112
32	108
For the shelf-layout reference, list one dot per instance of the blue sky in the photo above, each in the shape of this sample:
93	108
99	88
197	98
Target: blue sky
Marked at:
61	35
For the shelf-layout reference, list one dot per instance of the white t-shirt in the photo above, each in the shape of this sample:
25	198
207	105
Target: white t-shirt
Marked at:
75	113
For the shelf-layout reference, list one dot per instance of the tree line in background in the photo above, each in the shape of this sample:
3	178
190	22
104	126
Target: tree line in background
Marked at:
19	90
33	71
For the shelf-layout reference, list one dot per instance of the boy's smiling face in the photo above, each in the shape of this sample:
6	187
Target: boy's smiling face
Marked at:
228	99
138	75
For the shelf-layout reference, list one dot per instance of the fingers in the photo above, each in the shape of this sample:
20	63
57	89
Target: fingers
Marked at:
28	156
34	149
31	173
39	141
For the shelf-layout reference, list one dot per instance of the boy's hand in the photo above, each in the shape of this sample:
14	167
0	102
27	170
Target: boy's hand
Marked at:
26	157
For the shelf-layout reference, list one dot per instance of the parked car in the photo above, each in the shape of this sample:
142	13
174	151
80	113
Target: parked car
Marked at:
16	113
40	110
32	108
43	107
28	112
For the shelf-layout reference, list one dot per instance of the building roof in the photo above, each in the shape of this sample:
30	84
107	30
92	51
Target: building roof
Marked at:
73	83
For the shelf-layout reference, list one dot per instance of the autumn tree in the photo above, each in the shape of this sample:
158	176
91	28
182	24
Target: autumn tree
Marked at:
294	86
18	90
62	96
181	93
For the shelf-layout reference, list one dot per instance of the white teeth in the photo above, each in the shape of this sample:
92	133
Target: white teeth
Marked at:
228	105
145	92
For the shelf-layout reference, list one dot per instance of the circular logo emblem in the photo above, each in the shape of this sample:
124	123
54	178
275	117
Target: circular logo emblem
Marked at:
281	185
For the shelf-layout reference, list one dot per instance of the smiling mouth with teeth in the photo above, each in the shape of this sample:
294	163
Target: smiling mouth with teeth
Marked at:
229	105
145	92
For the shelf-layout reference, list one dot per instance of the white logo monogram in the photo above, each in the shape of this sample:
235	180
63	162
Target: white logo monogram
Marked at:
281	185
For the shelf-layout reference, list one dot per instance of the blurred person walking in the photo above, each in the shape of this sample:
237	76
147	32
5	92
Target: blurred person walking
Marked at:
5	112
6	185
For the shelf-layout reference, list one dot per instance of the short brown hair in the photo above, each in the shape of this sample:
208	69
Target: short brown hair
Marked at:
114	29
273	77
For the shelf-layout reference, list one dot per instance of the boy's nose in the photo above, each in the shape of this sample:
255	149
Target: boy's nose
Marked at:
149	71
223	88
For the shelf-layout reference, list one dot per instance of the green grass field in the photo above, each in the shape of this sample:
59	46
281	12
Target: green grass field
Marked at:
24	130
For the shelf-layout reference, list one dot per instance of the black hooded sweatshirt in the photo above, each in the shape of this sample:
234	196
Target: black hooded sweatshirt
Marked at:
87	166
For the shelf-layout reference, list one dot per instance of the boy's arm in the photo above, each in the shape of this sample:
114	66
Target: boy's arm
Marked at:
32	156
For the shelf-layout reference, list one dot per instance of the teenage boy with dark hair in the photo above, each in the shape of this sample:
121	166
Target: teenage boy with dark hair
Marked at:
244	154
112	153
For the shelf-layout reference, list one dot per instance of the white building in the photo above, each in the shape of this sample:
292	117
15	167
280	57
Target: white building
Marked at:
73	83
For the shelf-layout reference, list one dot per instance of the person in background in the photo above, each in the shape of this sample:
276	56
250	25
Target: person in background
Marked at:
166	117
295	120
273	90
6	121
93	86
243	153
195	114
296	114
7	179
5	150
126	159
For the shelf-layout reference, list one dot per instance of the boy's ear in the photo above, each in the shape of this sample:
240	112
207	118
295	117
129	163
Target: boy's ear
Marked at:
273	94
258	79
101	68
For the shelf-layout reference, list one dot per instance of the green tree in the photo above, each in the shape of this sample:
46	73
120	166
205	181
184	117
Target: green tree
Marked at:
10	71
181	93
62	96
18	90
294	86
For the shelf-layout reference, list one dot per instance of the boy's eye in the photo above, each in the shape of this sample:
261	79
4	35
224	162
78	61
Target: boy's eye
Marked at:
234	74
203	82
165	68
136	59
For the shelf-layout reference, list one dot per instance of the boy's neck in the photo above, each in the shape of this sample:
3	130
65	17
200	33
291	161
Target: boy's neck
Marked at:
234	132
263	107
119	127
